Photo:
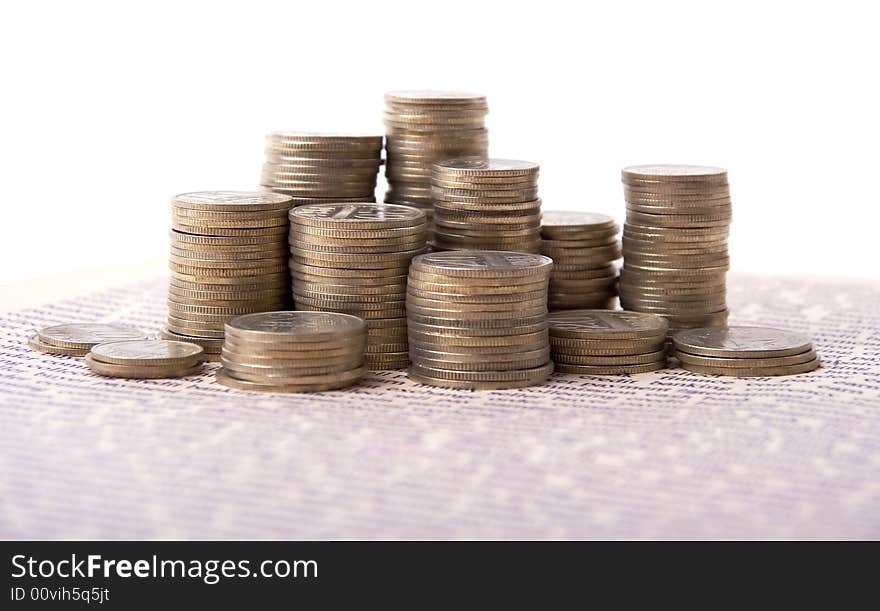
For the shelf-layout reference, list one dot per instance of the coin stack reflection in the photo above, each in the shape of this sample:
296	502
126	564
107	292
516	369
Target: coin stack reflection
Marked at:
228	257
478	319
427	126
584	247
607	342
316	168
675	257
293	352
354	258
486	205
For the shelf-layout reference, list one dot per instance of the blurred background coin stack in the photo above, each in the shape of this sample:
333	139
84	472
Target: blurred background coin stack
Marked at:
478	319
607	342
354	258
293	352
315	168
486	205
744	351
423	127
584	247
675	258
228	257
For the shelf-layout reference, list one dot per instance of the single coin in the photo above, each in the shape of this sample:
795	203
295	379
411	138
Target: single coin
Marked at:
533	374
673	173
560	224
471	384
141	371
754	372
570	345
231	201
606	324
293	378
419	329
288	369
271	326
355	216
86	335
148	352
610	370
741	342
208	345
480	167
35	343
184	329
513	342
224	378
477	264
610	360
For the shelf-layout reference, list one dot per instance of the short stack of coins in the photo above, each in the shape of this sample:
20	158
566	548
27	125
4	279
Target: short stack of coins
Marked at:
354	258
316	168
228	257
423	127
293	352
486	205
76	339
744	351
607	342
478	319
675	258
584	247
146	359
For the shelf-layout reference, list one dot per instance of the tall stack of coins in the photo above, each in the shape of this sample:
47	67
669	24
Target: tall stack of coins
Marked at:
315	168
478	319
744	351
145	359
675	257
486	205
228	257
76	339
607	342
354	258
584	247
293	352
427	126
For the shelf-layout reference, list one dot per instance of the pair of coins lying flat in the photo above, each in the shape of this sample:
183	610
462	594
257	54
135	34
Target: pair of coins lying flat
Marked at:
584	247
76	339
293	352
675	257
607	342
354	259
228	257
486	205
744	351
478	319
423	127
145	359
316	168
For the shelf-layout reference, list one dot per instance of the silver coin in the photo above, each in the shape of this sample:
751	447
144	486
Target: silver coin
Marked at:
741	342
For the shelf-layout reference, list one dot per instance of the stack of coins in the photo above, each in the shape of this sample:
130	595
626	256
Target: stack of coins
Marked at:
354	258
228	257
145	359
293	352
316	168
76	339
427	126
486	205
584	247
605	342
675	257
744	351
478	319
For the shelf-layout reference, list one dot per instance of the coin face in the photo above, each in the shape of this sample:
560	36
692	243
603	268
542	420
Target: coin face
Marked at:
585	221
511	167
158	351
483	263
426	96
232	200
353	214
742	342
300	324
609	324
661	171
86	335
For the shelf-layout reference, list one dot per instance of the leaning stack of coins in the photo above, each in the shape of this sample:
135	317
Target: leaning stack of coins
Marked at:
744	351
316	168
293	352
486	205
607	342
584	247
675	257
76	339
228	257
145	359
478	319
427	126
354	258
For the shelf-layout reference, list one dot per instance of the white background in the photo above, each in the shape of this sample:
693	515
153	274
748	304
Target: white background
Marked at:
109	109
